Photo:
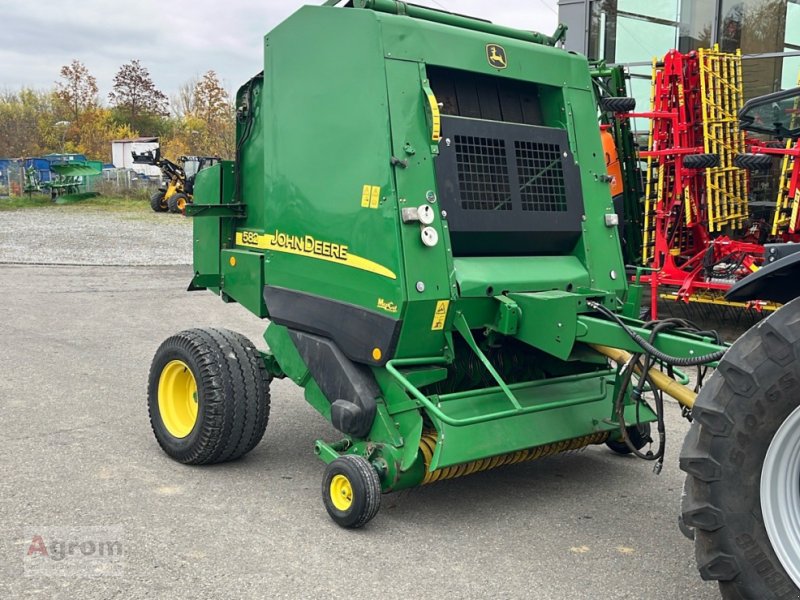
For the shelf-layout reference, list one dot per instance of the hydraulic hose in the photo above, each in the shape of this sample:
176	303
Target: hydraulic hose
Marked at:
650	348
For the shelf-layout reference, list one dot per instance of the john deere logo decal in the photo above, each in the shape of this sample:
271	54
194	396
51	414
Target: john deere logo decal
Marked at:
497	56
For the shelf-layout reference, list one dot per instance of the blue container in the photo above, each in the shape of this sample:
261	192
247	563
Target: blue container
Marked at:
42	167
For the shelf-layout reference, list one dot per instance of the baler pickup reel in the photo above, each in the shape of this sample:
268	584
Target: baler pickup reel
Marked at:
576	325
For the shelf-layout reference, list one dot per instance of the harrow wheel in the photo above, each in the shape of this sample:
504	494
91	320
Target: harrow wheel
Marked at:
742	457
753	162
617	104
208	396
701	161
351	491
157	202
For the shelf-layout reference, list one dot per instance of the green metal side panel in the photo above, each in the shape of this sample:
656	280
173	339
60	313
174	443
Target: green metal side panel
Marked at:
320	151
491	275
433	43
567	101
212	186
428	286
243	279
577	408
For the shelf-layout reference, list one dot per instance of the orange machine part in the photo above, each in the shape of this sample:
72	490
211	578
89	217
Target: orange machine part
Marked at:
613	166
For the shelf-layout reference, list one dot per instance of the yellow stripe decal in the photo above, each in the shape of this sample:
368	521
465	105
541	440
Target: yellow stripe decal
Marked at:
306	245
436	118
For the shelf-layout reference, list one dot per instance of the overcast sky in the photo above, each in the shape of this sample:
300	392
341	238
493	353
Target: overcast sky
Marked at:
177	40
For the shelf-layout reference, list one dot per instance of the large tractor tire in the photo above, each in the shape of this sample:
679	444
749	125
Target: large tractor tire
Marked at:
157	202
208	396
742	457
177	203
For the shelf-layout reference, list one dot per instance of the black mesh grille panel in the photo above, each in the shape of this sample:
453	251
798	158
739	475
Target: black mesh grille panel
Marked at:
541	177
507	188
482	173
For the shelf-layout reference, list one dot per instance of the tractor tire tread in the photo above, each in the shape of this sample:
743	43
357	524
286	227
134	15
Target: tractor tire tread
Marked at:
234	415
366	481
722	455
617	104
700	161
157	202
753	162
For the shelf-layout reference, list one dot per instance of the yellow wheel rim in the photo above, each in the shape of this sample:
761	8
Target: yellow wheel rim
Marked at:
177	398
341	492
181	203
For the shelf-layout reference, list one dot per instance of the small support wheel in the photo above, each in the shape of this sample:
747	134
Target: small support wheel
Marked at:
351	491
639	435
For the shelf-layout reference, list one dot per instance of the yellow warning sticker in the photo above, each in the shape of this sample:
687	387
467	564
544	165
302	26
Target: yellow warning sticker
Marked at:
370	196
440	315
375	197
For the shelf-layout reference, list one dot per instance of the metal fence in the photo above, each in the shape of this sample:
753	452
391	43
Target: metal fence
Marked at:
16	180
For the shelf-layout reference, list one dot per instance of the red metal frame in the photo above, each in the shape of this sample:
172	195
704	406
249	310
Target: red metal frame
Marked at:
684	251
760	147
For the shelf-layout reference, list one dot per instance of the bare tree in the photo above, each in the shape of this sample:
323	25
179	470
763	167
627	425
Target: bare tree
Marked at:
77	89
183	101
135	95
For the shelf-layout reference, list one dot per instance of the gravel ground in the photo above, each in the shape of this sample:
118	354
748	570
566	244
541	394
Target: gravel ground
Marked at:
75	350
76	235
76	345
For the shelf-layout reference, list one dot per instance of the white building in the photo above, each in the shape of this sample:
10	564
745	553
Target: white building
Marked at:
121	154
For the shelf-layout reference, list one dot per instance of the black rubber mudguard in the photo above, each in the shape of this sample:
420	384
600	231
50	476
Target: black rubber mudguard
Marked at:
777	282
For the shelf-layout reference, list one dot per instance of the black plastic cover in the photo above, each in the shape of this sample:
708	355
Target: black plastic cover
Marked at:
350	388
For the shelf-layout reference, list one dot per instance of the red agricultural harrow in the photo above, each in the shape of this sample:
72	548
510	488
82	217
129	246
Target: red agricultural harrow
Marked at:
698	236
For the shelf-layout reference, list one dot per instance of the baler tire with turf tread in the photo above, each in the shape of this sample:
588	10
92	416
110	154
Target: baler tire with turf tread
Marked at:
208	396
700	161
351	491
177	203
753	162
157	202
617	104
638	435
742	501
